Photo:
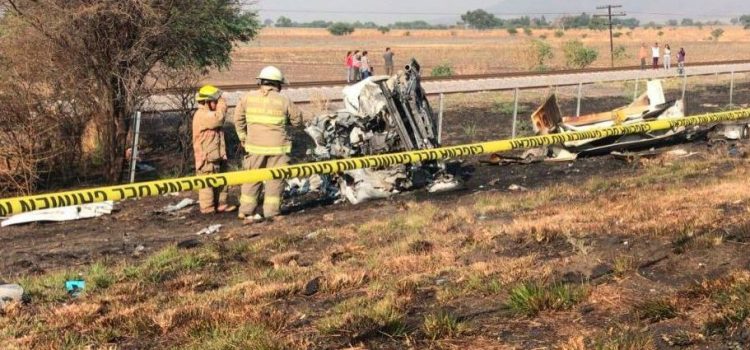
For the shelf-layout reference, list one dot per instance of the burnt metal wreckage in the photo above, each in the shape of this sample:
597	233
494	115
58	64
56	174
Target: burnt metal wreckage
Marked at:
650	106
382	114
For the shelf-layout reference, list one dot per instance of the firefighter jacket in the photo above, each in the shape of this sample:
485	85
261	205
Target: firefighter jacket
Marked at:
208	137
262	118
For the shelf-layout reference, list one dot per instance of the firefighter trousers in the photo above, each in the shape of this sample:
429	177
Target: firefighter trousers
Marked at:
210	198
273	189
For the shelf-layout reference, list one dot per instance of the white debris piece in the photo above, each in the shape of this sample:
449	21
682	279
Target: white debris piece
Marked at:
515	187
76	212
10	293
444	184
179	206
209	230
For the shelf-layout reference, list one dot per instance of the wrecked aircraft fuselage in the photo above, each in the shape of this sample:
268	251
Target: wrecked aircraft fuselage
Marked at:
382	114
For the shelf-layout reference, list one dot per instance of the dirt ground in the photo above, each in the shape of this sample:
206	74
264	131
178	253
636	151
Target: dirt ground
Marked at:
647	251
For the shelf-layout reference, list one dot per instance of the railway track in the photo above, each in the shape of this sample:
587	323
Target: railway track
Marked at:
499	75
307	92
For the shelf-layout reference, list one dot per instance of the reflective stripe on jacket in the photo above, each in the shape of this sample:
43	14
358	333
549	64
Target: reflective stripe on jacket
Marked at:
261	119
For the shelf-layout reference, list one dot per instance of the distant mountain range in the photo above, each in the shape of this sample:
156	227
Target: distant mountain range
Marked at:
659	10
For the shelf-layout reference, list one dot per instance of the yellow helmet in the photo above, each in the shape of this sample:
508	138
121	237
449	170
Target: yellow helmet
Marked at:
273	74
208	93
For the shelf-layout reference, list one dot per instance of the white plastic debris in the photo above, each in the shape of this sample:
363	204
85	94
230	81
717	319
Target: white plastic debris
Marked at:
209	230
179	206
515	187
444	184
10	293
70	213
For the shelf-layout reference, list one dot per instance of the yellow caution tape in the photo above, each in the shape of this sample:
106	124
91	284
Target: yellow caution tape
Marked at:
155	188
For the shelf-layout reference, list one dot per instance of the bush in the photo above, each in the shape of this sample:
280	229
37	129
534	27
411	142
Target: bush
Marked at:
542	53
621	52
617	34
384	29
543	36
407	33
559	34
660	33
444	69
512	31
579	56
341	28
528	31
716	33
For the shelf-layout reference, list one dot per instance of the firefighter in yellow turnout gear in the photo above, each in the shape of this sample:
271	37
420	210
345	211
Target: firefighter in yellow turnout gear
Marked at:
261	119
209	147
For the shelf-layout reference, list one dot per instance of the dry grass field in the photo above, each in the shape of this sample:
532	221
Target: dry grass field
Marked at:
594	254
314	54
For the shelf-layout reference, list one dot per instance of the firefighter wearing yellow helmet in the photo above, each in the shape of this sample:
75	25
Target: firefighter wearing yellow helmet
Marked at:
262	118
209	147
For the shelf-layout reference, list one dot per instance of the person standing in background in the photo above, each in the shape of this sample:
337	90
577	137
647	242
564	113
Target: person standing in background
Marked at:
667	57
348	61
356	64
681	61
655	53
388	58
365	68
643	54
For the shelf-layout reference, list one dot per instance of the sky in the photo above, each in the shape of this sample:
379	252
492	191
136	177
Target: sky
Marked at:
429	10
448	11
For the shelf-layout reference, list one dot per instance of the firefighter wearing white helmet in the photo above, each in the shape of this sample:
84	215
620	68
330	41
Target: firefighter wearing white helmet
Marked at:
209	147
262	118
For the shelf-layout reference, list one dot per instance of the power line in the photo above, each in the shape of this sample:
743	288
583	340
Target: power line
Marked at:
609	16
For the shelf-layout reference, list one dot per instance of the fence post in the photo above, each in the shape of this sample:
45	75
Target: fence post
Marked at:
578	103
515	111
134	153
684	86
440	122
731	89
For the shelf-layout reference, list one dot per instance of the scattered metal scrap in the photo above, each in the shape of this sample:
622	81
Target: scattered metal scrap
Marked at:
650	106
382	115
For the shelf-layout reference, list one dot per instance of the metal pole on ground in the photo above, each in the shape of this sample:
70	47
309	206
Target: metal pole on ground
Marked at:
578	103
440	122
515	111
635	89
684	86
731	89
134	153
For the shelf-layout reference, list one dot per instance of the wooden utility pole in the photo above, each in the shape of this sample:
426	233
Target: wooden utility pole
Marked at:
609	16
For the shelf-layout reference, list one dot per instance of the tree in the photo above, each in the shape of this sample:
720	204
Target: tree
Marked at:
268	22
745	21
687	22
579	56
284	22
341	28
118	49
384	29
672	23
481	19
716	33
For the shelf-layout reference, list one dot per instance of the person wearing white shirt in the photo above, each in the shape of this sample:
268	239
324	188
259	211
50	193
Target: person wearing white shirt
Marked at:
667	57
655	53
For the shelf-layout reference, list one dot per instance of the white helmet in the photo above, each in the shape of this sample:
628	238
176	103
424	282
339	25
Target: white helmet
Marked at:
273	74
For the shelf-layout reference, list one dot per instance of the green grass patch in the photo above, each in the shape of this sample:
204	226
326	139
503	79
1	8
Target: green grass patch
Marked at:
441	325
531	298
170	263
655	310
